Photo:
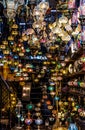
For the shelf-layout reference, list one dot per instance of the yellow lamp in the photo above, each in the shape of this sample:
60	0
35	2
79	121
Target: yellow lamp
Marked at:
5	42
14	26
63	20
11	38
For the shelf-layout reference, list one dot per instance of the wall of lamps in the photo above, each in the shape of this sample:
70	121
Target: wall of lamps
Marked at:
63	32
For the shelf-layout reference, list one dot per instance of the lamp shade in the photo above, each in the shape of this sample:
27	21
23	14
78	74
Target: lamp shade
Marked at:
63	19
56	98
28	121
30	106
38	121
82	8
71	4
44	5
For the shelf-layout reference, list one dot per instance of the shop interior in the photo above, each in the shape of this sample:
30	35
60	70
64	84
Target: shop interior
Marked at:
42	64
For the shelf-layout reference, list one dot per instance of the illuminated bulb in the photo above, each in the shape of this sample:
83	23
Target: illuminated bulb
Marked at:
50	107
64	71
43	5
21	54
50	26
21	78
2	46
19	45
26	78
56	30
63	20
5	42
62	33
71	4
25	74
52	93
63	64
20	65
13	98
30	70
68	27
24	94
22	47
9	62
24	69
18	74
66	38
18	49
28	88
12	95
16	63
24	88
13	102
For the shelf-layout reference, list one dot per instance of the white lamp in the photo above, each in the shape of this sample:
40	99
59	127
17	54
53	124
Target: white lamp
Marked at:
44	5
10	7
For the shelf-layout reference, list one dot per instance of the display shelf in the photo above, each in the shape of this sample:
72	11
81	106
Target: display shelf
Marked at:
77	87
81	123
74	56
82	72
76	93
76	73
69	62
